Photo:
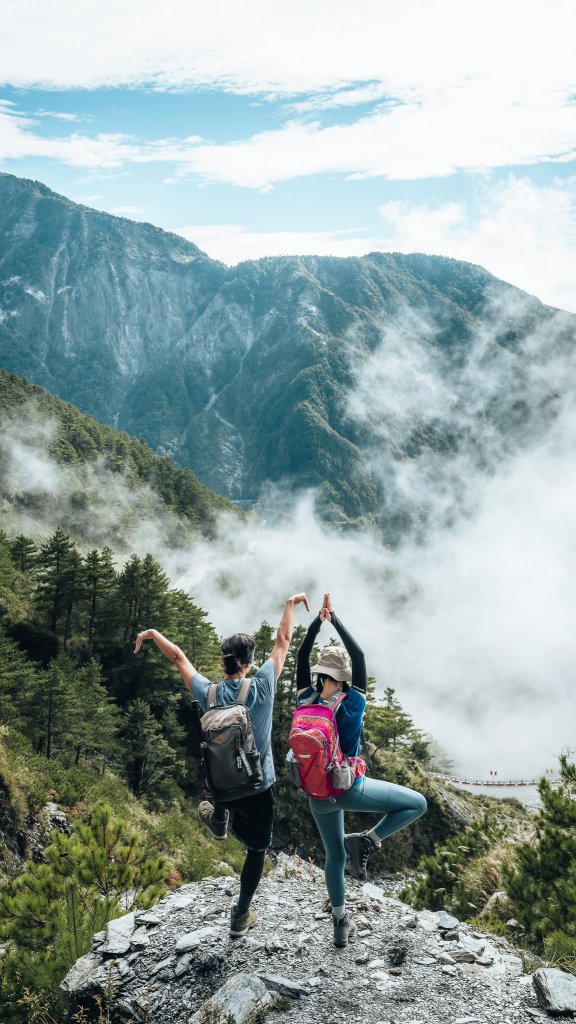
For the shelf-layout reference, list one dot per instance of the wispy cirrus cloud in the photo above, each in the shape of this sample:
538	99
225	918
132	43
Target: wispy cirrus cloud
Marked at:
60	115
102	151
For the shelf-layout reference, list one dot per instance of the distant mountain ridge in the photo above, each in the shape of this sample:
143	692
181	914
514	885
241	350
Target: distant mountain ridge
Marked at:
246	374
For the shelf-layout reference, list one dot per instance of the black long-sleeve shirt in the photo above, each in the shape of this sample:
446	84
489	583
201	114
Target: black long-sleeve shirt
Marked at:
352	709
303	675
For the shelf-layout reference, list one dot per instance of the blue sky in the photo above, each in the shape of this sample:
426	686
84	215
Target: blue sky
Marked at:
316	127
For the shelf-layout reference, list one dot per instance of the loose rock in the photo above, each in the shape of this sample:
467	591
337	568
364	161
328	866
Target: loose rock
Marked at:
555	989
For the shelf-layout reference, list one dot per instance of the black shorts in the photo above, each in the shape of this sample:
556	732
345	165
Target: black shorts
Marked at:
251	819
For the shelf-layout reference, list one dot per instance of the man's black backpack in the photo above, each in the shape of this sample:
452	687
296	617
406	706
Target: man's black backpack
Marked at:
232	768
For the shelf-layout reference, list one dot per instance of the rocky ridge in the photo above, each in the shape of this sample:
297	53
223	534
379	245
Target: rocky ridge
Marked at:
175	964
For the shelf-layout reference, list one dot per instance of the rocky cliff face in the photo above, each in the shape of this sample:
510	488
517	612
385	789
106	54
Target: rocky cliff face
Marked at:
305	371
176	963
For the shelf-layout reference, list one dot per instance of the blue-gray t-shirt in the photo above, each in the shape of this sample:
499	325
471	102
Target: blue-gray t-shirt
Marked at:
260	703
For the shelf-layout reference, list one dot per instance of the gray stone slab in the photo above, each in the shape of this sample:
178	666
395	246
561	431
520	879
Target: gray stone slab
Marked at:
118	934
242	995
284	986
555	989
191	940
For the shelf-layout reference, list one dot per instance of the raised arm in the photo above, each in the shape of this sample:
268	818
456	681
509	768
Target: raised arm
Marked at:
356	654
185	667
303	676
285	630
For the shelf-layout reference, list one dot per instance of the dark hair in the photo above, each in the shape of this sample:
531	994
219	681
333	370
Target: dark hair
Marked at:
237	650
320	680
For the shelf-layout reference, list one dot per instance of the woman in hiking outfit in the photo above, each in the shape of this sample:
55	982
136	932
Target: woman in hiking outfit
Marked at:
398	805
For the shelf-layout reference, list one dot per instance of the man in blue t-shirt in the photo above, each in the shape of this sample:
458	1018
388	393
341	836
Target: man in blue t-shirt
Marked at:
250	819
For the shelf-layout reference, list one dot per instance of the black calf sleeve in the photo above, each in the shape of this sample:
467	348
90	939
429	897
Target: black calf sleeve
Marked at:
250	877
219	812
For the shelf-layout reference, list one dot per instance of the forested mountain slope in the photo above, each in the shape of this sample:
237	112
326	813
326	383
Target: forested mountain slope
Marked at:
311	372
61	467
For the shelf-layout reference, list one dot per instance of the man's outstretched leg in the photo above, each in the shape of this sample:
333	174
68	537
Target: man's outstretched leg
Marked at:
250	823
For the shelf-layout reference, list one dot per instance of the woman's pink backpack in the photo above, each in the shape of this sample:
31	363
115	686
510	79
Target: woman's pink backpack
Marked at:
315	758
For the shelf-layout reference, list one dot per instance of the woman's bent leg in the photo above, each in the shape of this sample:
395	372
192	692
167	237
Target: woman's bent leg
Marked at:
330	821
398	805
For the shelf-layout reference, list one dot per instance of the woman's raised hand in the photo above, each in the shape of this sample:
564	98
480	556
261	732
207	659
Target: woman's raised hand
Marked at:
325	610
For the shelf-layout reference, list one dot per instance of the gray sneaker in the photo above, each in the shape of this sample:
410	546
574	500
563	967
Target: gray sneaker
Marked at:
344	930
217	829
240	923
359	846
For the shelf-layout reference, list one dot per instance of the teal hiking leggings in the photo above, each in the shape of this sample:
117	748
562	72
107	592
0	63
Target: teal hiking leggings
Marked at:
400	807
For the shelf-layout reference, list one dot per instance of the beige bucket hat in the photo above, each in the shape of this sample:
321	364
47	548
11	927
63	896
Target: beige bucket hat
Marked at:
334	662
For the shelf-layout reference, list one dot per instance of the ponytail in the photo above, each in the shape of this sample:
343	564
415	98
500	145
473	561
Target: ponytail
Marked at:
232	664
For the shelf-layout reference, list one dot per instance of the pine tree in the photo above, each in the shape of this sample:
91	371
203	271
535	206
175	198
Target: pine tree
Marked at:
24	553
49	914
149	760
54	708
264	642
98	591
542	884
11	606
387	723
18	677
145	600
95	731
129	594
193	631
59	583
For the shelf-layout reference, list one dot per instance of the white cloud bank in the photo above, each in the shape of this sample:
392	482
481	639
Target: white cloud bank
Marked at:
521	232
462	86
291	47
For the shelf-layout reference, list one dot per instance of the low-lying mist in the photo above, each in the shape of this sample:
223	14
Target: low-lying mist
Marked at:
469	616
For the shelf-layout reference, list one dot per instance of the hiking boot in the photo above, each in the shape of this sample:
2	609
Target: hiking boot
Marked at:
217	829
359	846
240	923
344	930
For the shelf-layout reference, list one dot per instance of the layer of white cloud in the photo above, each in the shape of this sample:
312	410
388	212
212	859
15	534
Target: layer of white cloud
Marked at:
233	243
468	86
473	128
134	212
522	233
292	46
101	152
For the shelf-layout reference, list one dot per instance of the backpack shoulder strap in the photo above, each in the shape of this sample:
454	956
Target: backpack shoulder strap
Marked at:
243	692
212	700
335	703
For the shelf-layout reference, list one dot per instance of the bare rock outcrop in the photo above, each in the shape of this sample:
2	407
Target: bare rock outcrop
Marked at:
174	962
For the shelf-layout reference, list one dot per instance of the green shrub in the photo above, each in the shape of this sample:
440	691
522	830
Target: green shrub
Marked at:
49	914
542	880
560	950
454	876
